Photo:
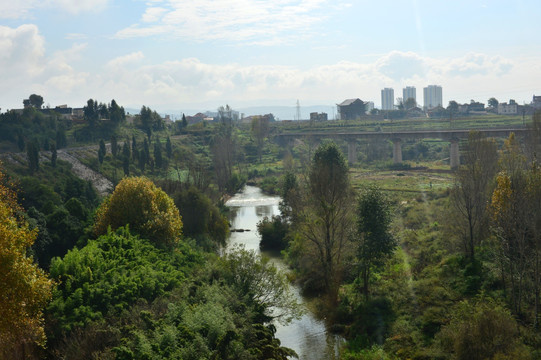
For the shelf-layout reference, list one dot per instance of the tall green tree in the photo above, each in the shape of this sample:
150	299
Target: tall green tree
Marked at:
224	148
101	151
36	101
510	213
260	131
374	239
32	152
20	142
493	102
184	122
61	140
114	146
146	151
116	113
327	220
158	157
91	113
134	147
126	158
471	192
168	148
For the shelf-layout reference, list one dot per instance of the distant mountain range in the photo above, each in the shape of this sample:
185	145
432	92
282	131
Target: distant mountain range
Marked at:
279	112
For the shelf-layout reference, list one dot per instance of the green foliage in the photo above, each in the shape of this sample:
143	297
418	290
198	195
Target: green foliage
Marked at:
148	210
373	353
18	128
482	330
269	185
260	284
168	148
373	237
325	221
373	319
110	274
200	217
32	154
273	233
149	121
102	151
214	323
25	288
114	145
54	155
158	157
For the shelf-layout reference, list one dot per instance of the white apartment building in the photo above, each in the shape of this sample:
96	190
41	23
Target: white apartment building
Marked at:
432	96
409	92
387	99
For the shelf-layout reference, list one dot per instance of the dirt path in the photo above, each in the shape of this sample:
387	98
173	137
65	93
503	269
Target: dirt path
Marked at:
100	182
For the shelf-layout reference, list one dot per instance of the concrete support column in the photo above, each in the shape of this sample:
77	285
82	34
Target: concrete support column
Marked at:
397	151
455	154
352	152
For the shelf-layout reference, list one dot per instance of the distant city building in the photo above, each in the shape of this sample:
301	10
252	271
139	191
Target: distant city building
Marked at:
248	119
432	96
368	107
409	92
536	102
233	115
476	107
508	109
351	109
387	99
314	116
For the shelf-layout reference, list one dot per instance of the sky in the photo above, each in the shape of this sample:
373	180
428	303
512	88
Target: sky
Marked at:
172	55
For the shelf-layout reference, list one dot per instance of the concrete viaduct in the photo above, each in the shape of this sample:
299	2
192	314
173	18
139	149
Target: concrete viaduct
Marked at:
453	136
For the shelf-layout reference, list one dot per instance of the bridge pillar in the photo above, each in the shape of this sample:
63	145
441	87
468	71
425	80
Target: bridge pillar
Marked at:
397	151
455	154
352	152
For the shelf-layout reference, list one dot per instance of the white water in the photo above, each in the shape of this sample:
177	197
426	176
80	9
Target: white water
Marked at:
308	335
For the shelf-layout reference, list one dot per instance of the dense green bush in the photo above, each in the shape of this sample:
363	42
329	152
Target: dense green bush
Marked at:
200	217
273	233
110	274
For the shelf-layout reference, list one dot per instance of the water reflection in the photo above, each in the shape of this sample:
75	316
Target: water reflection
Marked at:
308	335
262	211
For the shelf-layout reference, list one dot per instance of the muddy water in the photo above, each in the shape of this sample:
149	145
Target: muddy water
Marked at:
308	335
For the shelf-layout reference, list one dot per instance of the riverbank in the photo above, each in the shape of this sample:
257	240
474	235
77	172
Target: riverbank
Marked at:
309	335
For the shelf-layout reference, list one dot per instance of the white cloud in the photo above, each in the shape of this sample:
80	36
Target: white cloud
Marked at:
10	9
20	9
252	21
124	60
26	68
20	51
80	6
76	36
402	65
183	83
153	14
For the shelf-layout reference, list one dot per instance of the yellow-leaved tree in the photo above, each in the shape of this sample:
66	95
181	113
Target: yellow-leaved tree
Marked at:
25	289
147	209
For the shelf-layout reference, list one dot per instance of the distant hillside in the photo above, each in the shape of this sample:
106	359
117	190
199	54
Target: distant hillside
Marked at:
279	112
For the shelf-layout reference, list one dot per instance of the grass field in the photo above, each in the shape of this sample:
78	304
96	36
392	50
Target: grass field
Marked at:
471	122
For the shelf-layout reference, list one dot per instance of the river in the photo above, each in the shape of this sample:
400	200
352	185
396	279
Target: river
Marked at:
308	335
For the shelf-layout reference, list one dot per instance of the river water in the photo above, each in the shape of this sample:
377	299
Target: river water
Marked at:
308	335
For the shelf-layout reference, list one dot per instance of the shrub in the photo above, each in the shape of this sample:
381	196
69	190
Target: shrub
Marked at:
148	210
